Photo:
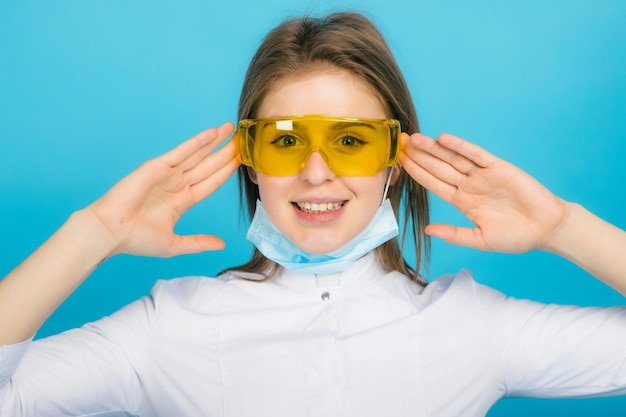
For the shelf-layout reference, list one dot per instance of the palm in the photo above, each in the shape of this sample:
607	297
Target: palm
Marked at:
512	211
141	211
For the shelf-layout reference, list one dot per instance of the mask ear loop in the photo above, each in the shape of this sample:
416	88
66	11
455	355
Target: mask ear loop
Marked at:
387	183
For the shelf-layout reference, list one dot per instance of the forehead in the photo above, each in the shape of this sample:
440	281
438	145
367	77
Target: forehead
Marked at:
328	91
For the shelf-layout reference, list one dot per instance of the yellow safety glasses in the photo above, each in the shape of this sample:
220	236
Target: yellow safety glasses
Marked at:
351	146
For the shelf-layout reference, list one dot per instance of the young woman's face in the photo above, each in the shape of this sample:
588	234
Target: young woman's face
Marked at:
316	209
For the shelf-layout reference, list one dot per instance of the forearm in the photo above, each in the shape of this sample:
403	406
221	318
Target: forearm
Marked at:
32	291
594	244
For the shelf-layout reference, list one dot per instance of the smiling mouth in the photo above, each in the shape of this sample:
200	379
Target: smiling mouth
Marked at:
319	207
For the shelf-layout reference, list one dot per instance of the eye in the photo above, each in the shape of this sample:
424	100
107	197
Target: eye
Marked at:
350	141
286	141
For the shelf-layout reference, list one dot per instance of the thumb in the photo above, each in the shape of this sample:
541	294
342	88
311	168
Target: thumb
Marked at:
188	244
460	236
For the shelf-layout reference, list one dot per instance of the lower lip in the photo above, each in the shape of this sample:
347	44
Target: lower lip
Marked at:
319	218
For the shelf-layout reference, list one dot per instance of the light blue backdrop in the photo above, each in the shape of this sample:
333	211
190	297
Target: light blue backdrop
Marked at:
90	89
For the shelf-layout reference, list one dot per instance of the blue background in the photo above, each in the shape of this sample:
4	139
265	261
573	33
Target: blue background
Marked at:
90	89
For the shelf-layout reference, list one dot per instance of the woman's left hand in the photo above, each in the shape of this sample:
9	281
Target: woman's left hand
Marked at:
513	213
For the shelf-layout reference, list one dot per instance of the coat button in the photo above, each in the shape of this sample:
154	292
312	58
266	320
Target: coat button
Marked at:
325	295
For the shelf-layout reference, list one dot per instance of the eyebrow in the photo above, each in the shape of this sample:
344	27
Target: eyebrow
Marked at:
297	125
343	125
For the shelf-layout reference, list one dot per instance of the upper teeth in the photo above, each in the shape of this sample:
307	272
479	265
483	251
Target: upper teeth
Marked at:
319	207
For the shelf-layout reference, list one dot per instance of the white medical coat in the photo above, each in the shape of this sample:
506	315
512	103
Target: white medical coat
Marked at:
360	343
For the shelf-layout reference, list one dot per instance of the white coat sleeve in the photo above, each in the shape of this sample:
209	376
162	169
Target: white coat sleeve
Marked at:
556	351
88	371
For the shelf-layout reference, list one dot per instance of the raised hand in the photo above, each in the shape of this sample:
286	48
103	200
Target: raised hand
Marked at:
141	211
512	212
136	216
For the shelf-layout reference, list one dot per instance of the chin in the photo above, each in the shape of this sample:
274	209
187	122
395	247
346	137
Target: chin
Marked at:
318	247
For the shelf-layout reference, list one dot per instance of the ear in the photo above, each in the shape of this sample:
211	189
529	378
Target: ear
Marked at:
252	175
395	173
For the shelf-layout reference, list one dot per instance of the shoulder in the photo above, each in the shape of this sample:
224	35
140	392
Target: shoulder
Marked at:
193	292
185	286
460	289
460	299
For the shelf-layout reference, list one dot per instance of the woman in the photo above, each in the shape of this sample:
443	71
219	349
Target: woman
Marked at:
326	318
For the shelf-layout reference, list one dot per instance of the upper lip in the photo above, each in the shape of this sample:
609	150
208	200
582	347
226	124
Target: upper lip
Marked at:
319	200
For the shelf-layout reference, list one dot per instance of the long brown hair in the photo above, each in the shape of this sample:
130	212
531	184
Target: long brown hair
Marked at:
351	42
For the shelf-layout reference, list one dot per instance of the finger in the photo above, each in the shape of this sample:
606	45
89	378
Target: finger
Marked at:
207	186
427	179
189	244
442	170
460	236
434	174
212	164
468	150
188	153
450	161
223	133
190	147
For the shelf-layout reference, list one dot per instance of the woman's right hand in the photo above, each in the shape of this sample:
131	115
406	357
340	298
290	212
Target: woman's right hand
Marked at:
140	212
137	216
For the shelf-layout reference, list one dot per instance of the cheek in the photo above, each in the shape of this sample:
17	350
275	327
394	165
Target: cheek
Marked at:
368	188
272	190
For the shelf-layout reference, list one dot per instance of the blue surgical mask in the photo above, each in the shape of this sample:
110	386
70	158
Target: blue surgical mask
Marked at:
275	246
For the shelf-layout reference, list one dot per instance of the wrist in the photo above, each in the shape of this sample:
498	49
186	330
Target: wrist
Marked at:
94	234
593	244
567	231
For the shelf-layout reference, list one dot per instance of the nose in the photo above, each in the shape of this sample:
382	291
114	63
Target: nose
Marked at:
316	170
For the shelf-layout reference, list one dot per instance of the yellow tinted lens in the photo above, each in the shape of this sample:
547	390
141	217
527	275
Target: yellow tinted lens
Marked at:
280	148
350	146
